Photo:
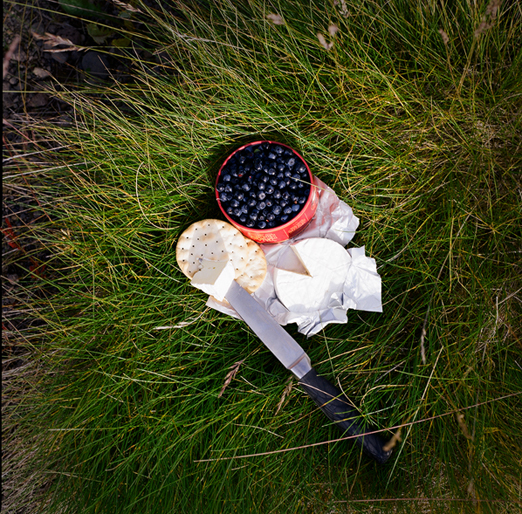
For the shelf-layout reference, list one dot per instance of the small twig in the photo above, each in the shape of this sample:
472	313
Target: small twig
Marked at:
10	52
331	441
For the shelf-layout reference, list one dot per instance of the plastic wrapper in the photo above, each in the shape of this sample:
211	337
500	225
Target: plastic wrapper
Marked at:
361	289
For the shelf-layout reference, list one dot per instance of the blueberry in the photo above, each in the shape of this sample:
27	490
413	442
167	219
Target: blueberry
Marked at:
296	207
292	186
265	178
283	203
220	188
281	167
274	181
226	177
230	211
271	171
284	219
270	217
270	224
277	194
234	203
272	156
278	150
301	168
240	196
261	186
228	188
302	200
269	202
237	212
242	159
288	173
285	195
290	163
280	175
244	208
252	202
270	189
258	165
287	210
282	184
243	219
261	206
253	215
250	223
261	195
276	210
300	185
261	224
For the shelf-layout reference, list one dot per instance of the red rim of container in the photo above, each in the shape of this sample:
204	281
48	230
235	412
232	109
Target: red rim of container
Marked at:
268	235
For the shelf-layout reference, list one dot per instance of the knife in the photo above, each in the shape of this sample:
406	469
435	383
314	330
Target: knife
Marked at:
325	395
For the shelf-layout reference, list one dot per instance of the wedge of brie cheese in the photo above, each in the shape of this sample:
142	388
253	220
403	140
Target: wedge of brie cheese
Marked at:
326	263
214	278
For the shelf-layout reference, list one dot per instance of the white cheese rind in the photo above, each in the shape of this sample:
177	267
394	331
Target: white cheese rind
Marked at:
327	263
214	278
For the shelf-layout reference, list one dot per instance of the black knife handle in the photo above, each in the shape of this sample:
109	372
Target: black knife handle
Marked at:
337	407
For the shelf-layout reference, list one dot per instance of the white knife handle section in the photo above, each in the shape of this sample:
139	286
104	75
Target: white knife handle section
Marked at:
278	340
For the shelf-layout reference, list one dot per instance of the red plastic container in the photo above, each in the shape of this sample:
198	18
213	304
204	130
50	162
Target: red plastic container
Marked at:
289	229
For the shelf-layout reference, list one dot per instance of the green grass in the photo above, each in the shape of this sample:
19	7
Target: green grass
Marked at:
421	138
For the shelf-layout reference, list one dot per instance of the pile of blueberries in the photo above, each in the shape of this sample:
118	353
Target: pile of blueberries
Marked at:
263	186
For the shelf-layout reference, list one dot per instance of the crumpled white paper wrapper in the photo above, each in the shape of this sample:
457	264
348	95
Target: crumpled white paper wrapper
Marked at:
334	220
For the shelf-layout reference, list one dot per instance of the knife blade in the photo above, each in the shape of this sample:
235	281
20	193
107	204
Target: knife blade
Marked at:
278	340
326	396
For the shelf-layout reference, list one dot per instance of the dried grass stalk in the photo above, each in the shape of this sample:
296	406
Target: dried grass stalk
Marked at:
51	42
230	376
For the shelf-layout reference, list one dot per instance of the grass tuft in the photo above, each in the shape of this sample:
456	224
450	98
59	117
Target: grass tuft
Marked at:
411	113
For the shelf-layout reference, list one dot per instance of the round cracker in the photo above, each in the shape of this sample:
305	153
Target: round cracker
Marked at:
217	240
255	272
